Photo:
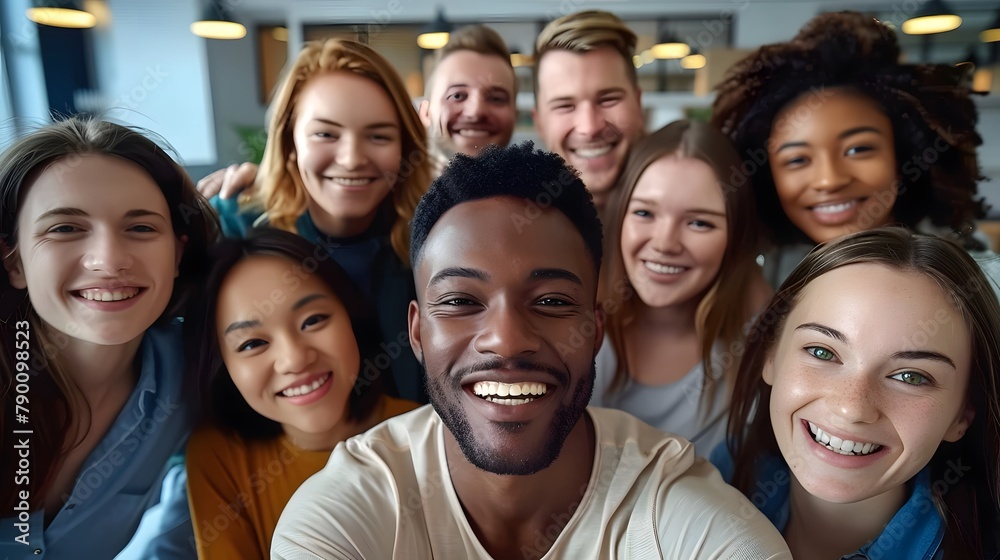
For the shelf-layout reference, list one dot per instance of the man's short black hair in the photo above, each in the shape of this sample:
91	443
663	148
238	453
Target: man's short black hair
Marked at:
541	178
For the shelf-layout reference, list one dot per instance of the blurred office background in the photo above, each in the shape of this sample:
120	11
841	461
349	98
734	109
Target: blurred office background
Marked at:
139	62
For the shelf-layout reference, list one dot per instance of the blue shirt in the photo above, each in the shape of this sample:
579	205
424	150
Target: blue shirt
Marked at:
122	477
914	533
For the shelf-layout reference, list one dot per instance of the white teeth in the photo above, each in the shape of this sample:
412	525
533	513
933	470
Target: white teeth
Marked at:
510	402
351	182
490	390
834	208
589	153
109	295
305	389
842	446
472	133
663	268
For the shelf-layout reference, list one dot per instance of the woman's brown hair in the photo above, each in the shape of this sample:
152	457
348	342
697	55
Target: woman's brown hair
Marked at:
974	498
52	387
725	308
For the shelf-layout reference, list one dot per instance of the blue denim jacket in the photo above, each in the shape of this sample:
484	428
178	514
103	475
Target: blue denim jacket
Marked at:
122	478
914	533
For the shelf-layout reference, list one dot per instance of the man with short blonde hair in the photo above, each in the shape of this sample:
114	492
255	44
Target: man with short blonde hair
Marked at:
587	98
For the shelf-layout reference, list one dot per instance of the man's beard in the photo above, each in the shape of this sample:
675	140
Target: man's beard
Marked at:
445	391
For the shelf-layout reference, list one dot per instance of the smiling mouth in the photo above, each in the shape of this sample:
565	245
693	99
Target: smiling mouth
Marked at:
300	390
509	393
351	182
98	294
473	133
663	268
835	208
841	446
592	153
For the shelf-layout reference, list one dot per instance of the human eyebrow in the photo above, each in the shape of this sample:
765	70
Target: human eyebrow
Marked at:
832	333
237	325
923	355
789	145
63	211
459	272
306	300
555	274
858	130
373	125
68	211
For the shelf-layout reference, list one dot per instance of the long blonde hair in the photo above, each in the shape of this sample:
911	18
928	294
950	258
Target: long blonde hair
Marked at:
282	193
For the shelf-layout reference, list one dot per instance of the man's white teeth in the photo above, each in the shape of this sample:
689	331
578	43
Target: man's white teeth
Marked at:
305	389
510	402
473	133
842	446
663	268
490	390
834	208
351	182
589	153
109	295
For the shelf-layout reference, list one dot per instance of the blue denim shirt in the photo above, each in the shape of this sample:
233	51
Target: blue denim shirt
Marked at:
914	533
123	476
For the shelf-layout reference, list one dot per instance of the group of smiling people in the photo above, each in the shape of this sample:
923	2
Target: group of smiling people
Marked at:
789	307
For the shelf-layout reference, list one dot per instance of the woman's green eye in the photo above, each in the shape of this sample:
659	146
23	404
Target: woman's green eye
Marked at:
911	378
820	353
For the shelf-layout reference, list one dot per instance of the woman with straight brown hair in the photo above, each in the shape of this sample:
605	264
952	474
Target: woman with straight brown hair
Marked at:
679	284
868	404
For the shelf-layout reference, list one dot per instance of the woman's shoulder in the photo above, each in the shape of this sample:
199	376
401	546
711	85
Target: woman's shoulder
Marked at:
236	219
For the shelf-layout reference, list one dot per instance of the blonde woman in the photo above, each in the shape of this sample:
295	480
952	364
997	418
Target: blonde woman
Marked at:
345	164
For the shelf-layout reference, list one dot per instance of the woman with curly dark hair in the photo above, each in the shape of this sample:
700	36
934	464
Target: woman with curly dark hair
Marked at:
838	136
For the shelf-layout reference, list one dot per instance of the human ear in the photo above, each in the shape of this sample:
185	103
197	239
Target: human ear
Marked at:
413	322
961	423
424	111
767	373
12	264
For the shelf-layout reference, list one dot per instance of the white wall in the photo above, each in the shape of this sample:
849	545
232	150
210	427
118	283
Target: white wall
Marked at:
153	73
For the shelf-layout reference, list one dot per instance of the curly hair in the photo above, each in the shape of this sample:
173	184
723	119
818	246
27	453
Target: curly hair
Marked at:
932	115
519	170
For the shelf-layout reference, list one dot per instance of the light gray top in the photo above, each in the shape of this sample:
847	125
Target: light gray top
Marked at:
676	407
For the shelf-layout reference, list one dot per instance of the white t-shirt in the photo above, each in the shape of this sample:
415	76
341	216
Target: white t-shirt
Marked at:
387	493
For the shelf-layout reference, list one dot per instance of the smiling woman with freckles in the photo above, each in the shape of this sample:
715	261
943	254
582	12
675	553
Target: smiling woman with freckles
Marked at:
867	403
283	385
840	136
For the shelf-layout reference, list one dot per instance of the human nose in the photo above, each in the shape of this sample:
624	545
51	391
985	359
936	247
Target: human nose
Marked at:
830	175
292	355
107	253
667	237
854	398
473	106
589	120
350	153
507	333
